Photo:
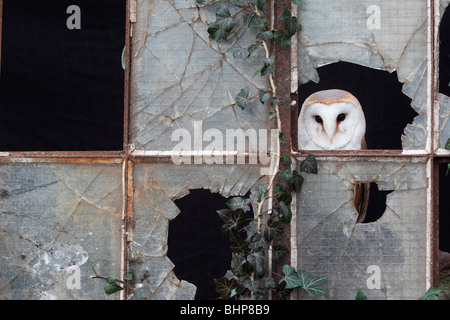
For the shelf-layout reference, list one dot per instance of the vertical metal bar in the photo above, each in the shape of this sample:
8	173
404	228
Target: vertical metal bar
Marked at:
127	75
282	82
127	173
433	214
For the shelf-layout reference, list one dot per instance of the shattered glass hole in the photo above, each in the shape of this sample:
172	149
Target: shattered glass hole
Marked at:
370	202
196	244
387	110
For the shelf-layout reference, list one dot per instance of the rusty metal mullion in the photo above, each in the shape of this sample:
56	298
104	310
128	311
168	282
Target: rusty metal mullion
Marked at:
127	72
127	173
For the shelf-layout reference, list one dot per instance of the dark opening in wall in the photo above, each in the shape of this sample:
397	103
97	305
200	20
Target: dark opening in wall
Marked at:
197	246
444	54
444	207
375	204
62	89
387	110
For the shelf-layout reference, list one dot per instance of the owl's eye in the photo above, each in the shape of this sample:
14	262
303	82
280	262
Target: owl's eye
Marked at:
318	119
341	117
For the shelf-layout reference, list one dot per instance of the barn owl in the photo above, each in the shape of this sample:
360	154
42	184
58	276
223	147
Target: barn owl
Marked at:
331	120
334	120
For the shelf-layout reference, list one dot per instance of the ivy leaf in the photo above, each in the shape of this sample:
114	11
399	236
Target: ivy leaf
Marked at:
281	292
296	181
239	203
265	35
223	25
264	95
284	212
431	294
128	277
297	2
267	67
273	228
258	242
290	277
447	144
237	244
360	295
283	39
257	260
309	165
111	286
312	285
290	22
225	287
255	21
262	191
237	264
286	158
275	101
217	33
279	252
283	195
231	219
239	52
241	98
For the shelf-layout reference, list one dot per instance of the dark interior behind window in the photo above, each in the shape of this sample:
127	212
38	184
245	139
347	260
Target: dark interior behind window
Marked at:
62	89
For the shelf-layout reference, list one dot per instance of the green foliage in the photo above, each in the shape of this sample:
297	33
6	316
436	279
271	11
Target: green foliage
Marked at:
250	239
251	13
113	285
360	295
431	294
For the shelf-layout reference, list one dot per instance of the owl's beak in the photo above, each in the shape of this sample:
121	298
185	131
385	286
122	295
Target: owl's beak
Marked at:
330	129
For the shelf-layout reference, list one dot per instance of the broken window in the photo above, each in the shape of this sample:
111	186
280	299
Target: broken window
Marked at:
197	246
379	53
60	212
62	82
386	109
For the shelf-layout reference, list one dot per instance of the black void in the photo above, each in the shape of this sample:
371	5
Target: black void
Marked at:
62	89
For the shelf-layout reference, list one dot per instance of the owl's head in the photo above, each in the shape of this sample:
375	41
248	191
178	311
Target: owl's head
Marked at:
331	119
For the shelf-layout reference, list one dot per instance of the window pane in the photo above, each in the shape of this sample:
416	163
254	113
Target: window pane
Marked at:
62	88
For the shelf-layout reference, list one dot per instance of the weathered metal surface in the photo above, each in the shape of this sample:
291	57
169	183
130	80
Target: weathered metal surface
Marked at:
55	220
330	242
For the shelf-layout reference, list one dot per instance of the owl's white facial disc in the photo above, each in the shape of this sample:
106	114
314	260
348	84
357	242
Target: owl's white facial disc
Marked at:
336	126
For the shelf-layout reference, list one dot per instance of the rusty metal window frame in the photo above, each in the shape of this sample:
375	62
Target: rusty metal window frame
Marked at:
287	60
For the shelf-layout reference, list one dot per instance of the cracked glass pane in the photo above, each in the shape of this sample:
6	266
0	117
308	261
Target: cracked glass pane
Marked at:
387	258
391	36
180	76
156	186
55	220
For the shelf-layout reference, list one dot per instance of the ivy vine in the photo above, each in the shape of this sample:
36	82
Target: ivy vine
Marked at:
249	276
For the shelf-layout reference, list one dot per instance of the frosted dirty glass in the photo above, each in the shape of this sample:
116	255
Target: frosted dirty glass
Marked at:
349	31
444	123
331	244
179	76
156	186
55	220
